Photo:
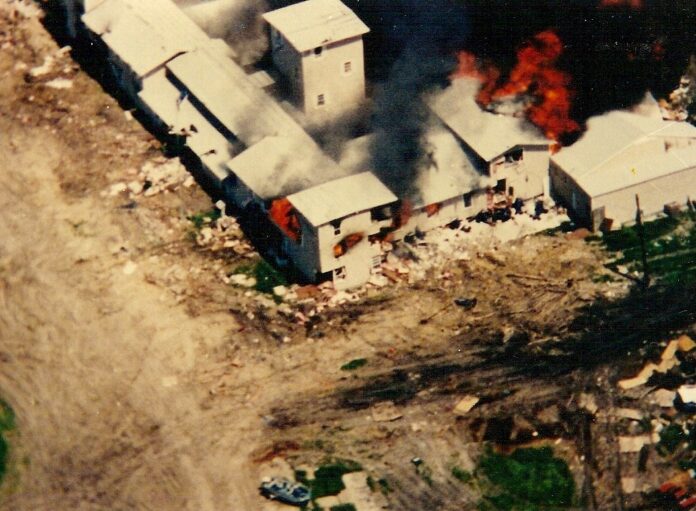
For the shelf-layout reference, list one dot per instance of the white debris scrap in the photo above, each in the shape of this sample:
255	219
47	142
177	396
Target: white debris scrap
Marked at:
60	83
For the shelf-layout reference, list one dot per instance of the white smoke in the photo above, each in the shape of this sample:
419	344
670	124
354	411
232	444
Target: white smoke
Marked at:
237	22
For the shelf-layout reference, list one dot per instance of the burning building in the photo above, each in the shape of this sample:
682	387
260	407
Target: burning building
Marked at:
329	218
624	154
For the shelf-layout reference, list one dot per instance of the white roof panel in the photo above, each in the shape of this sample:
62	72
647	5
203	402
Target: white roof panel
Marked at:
314	23
622	149
182	117
145	34
280	166
223	88
341	197
487	133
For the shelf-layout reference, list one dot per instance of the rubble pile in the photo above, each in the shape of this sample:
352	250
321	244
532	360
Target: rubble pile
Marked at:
156	176
224	233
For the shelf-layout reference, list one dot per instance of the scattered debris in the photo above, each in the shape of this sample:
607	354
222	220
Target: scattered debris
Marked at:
685	399
633	443
465	303
385	412
663	398
465	405
668	360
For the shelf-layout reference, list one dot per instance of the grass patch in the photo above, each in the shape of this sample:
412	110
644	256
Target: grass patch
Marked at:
327	478
461	475
354	364
204	217
529	479
671	437
7	423
670	245
267	277
344	507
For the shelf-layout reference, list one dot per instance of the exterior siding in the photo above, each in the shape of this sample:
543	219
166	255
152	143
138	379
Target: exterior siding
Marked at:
325	75
528	176
621	204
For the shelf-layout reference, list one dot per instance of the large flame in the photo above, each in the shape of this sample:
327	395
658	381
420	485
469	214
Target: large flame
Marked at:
283	215
535	76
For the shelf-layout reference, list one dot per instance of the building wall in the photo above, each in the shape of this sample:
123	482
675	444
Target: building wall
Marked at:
654	194
566	191
528	176
450	210
326	76
305	253
357	261
289	62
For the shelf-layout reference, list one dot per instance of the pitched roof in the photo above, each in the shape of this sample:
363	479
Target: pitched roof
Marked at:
487	133
144	35
341	197
162	97
314	23
278	166
621	149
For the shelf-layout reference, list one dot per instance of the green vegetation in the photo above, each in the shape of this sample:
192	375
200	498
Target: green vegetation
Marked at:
204	217
529	479
327	478
461	475
356	363
670	247
344	507
267	277
381	484
7	423
671	437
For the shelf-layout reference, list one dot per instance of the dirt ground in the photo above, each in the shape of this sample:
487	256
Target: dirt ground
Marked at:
141	381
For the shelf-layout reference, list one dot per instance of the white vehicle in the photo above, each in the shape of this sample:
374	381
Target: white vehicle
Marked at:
284	490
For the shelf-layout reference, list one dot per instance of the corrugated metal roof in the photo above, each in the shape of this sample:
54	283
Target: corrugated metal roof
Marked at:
621	149
341	197
278	166
314	23
487	133
145	34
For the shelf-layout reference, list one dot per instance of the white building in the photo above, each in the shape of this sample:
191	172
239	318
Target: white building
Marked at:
624	154
508	151
317	46
337	220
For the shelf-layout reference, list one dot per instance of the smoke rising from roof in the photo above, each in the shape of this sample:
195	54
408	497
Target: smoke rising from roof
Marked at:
237	22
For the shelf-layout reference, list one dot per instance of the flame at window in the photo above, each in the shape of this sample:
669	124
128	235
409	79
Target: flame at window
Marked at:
283	215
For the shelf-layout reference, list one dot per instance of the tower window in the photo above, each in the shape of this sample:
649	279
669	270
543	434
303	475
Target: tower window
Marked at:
347	67
321	100
318	51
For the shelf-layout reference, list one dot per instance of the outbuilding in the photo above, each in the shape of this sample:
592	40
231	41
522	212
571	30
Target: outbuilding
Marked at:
624	154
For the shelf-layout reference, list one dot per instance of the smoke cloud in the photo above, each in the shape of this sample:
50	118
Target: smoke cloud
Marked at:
237	22
613	51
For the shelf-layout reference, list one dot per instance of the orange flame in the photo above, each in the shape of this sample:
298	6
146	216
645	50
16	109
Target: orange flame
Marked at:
432	209
533	75
347	243
633	4
283	215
